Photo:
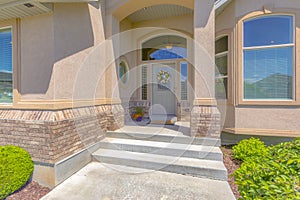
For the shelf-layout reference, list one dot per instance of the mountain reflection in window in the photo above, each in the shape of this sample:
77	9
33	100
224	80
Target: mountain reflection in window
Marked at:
269	58
164	48
268	73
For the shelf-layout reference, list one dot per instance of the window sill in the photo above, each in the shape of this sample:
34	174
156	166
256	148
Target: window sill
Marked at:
269	103
6	105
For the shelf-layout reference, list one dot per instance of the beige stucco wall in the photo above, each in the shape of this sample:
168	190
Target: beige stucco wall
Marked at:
256	116
55	48
37	47
74	36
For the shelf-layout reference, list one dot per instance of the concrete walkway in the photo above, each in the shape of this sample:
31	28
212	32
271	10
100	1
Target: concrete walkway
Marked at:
101	182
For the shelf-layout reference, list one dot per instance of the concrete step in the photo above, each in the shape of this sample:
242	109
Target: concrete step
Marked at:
163	148
170	138
163	119
180	165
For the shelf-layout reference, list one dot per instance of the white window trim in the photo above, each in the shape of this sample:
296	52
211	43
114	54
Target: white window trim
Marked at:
221	77
224	53
267	47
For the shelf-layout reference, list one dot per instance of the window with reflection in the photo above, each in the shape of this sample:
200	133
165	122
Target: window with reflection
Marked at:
184	80
221	60
123	72
268	58
164	48
6	79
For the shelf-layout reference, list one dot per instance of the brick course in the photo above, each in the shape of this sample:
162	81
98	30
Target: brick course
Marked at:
50	136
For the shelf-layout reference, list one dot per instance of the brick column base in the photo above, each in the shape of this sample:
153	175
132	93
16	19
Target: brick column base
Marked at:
205	122
116	117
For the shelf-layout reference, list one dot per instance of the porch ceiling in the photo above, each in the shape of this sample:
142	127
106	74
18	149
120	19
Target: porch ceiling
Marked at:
220	5
158	12
24	8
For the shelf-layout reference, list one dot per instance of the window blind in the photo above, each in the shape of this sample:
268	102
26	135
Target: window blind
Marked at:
268	73
268	55
6	88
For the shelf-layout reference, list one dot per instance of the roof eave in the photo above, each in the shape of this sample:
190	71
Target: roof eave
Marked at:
220	5
10	9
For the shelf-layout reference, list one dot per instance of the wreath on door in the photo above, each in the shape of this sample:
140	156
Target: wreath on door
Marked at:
163	77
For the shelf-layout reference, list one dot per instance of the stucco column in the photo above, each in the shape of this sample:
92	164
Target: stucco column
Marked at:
205	117
111	74
112	52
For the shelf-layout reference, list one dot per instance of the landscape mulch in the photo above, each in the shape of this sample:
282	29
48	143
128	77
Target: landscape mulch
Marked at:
31	191
231	164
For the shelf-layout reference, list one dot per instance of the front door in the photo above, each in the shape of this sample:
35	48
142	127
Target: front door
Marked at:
163	89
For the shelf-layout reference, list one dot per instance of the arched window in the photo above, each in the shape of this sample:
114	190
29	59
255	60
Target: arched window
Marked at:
164	48
268	58
123	72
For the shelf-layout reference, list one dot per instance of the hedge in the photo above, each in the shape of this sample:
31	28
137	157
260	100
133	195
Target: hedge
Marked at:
273	173
16	168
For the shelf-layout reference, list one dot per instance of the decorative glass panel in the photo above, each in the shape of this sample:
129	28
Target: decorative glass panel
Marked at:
6	79
184	80
268	73
164	48
144	83
123	72
269	30
166	54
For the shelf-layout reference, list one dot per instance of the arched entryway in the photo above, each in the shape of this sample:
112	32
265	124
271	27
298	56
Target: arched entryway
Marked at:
164	57
160	42
192	17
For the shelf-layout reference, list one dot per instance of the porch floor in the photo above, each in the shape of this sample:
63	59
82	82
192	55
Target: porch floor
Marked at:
179	128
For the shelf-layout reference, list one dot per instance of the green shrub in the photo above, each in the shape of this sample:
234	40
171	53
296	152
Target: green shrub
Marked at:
16	168
275	175
249	148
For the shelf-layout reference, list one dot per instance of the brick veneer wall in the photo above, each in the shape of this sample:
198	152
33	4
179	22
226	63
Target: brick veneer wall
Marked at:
205	122
50	136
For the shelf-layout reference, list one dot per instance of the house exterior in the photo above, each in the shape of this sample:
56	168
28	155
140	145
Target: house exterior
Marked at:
73	69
